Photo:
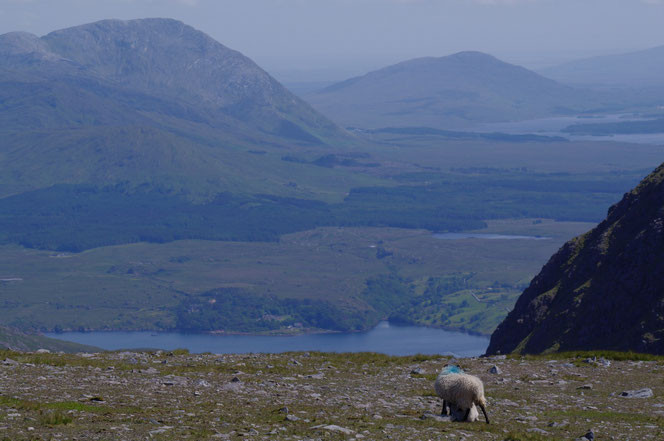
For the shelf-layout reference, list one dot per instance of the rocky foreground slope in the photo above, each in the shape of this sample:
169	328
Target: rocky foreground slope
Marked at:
314	396
602	290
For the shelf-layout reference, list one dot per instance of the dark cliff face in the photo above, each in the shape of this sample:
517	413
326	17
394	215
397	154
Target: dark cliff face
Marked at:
601	290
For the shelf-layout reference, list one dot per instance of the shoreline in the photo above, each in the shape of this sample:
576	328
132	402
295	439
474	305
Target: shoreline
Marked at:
273	333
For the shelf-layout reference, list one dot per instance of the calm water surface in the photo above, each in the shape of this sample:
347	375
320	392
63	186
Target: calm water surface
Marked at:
554	126
384	338
457	236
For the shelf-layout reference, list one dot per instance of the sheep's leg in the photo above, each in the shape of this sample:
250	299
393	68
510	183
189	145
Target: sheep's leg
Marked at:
486	417
465	417
445	406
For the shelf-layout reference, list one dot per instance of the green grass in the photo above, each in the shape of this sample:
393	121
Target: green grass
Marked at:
143	157
421	182
53	406
353	389
140	286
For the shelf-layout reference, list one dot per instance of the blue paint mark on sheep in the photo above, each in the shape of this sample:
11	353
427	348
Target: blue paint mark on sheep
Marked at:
451	369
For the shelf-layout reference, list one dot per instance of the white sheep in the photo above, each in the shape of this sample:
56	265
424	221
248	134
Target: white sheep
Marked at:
463	391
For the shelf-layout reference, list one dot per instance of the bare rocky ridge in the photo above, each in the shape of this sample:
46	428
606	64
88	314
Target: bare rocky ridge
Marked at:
315	396
602	290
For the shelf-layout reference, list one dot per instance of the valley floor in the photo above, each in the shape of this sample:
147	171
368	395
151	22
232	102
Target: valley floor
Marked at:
296	396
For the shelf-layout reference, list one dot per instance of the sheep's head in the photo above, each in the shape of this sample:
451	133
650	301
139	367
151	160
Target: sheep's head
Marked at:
459	413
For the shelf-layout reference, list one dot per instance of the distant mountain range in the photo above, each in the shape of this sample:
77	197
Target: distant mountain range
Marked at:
634	69
602	290
456	91
149	101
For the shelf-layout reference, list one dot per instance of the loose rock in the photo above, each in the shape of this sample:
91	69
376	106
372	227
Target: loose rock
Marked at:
640	393
495	370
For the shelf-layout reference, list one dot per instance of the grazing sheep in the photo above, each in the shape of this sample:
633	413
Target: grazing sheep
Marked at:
463	391
459	414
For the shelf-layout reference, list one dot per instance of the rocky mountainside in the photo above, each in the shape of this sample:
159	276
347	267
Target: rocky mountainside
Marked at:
601	290
449	92
318	396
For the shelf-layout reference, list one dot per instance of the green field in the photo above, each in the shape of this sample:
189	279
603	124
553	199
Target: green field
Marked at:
144	286
319	239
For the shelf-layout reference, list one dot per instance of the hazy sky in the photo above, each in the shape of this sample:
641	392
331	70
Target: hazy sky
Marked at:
334	39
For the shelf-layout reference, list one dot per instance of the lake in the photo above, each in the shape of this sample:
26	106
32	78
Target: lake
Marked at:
554	127
458	236
384	338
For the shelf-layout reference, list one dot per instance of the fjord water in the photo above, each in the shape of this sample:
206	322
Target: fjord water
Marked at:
554	126
384	338
488	236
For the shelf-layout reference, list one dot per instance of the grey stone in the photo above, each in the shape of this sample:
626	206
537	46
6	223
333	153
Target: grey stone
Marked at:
537	430
507	402
335	428
524	419
495	370
640	393
585	386
291	417
417	371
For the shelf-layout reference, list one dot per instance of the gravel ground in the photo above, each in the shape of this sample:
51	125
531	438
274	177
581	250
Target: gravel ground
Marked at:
317	396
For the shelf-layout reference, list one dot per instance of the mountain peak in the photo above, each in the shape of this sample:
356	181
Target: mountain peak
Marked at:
151	68
472	56
160	54
24	44
451	92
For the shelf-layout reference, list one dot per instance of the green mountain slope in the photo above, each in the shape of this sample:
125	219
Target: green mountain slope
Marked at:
448	92
147	102
16	340
602	290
